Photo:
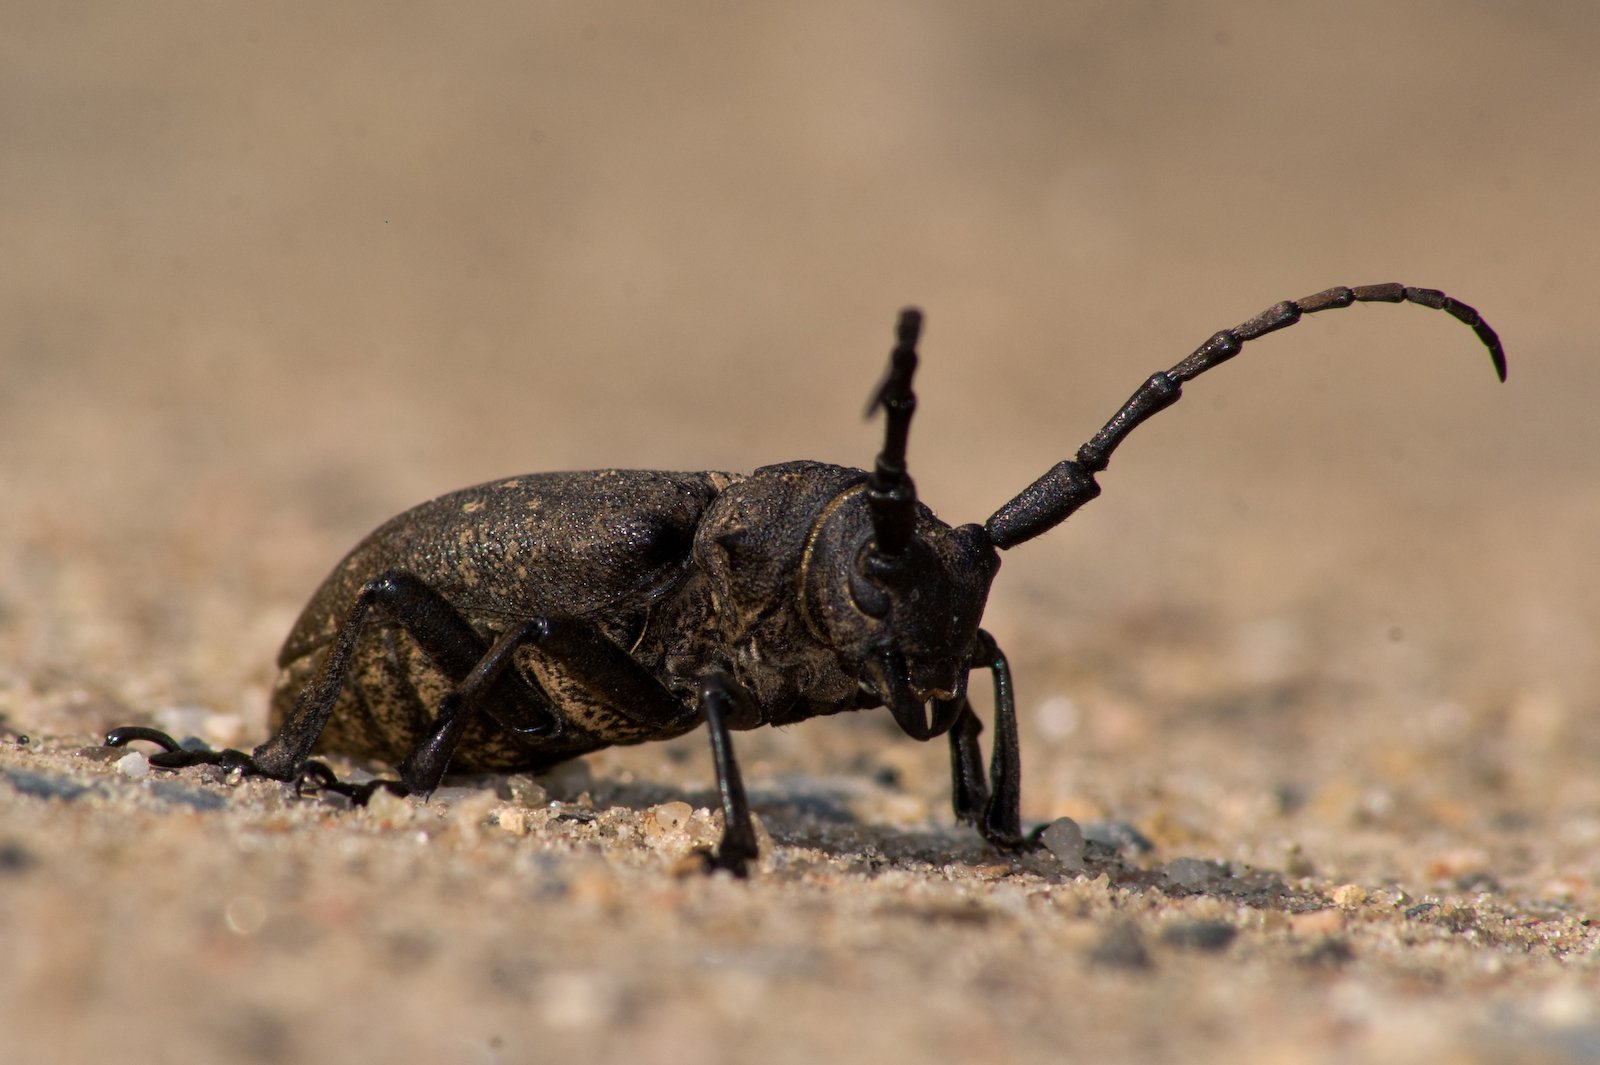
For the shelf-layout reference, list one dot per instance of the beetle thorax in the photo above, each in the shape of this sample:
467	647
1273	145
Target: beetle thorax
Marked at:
799	613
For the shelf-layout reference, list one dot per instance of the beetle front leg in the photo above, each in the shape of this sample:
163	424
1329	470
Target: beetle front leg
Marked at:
721	698
969	787
994	806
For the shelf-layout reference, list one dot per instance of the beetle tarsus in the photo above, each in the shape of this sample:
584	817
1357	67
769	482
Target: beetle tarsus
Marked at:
313	776
174	755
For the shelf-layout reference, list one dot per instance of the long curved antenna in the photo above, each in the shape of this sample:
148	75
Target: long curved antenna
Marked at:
1068	485
891	495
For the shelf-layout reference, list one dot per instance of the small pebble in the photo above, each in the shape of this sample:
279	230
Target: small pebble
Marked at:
1064	839
672	816
183	721
1295	862
513	819
524	789
1349	896
1195	874
566	780
225	729
133	764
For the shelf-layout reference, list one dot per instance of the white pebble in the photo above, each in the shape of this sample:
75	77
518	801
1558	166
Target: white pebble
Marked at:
672	816
133	764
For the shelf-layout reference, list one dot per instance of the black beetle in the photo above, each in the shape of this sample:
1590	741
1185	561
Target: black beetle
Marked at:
521	623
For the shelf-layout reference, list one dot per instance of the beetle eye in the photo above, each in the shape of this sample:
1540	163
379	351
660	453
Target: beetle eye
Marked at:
870	597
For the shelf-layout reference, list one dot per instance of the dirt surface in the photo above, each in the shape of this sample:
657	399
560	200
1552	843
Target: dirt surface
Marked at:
1327	643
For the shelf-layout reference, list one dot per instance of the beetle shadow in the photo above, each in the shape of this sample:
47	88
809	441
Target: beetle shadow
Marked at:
779	802
822	818
829	816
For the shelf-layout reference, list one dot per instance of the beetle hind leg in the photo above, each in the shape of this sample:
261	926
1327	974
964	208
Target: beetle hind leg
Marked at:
476	670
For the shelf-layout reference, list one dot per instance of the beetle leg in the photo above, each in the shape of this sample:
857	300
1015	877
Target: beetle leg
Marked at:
424	767
173	755
595	662
720	697
993	806
969	788
442	633
1002	818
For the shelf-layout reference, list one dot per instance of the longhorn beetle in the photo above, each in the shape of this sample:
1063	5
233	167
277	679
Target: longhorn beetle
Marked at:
524	622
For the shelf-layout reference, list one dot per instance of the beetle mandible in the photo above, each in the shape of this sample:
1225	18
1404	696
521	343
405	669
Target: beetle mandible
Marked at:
524	622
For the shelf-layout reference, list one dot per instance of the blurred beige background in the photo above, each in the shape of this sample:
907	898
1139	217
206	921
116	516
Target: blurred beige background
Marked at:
271	274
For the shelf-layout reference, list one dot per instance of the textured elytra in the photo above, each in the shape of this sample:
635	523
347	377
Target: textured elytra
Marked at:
572	545
512	549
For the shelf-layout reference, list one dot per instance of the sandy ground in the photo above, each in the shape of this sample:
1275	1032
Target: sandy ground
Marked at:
1327	642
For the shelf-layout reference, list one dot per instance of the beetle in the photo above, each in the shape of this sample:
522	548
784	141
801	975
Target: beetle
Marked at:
523	622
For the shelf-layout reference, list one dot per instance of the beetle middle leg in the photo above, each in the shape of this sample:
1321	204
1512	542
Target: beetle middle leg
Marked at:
422	769
720	698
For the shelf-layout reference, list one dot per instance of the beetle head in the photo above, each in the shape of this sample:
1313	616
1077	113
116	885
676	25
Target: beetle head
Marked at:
908	619
889	585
